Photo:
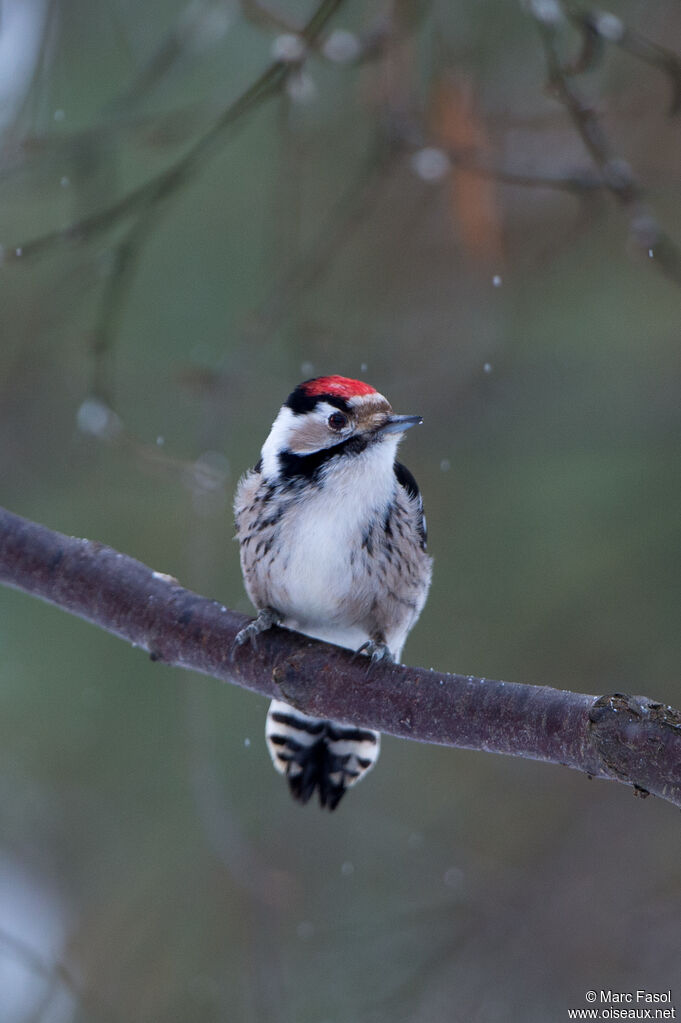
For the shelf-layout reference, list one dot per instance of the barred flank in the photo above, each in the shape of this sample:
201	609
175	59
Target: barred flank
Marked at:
316	754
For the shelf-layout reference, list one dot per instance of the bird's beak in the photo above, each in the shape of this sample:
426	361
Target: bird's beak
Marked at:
397	424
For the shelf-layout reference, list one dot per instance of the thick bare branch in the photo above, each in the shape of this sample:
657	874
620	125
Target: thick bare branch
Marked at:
628	739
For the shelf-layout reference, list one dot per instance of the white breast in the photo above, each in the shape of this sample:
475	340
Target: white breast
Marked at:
313	583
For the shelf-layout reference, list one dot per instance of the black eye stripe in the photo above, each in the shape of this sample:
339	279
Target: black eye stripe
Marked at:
295	467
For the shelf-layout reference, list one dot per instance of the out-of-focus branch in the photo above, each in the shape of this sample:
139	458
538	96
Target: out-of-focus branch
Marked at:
166	183
618	177
121	271
579	183
140	208
629	739
601	27
349	213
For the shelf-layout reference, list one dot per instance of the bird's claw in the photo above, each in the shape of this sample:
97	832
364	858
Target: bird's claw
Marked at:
249	634
267	617
377	651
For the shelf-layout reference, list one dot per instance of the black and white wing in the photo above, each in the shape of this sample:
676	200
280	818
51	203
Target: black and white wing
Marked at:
406	480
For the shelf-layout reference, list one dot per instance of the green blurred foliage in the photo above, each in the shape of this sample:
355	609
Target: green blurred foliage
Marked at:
139	807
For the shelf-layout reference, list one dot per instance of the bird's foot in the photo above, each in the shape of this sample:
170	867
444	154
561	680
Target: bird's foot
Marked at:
267	617
377	650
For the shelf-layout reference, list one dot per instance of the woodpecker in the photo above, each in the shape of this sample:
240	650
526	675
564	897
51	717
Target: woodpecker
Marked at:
333	544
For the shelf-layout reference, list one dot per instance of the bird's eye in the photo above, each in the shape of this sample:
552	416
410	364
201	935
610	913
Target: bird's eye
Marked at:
337	420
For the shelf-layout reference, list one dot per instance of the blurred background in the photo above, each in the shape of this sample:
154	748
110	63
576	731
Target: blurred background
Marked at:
200	207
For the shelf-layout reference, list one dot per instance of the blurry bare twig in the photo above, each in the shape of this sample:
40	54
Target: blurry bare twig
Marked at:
38	965
618	177
353	208
580	183
599	28
140	207
56	975
629	739
346	47
196	17
164	184
267	17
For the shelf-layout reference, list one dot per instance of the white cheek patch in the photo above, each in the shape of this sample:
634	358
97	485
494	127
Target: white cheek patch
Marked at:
300	434
278	440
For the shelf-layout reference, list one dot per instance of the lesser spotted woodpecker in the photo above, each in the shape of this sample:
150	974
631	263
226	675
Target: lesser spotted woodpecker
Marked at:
333	545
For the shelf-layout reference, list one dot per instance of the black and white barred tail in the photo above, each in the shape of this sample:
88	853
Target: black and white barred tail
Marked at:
316	754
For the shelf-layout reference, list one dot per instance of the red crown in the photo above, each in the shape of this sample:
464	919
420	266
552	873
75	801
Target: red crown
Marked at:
342	387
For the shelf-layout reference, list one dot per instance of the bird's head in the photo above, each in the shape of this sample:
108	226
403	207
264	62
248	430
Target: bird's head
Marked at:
330	418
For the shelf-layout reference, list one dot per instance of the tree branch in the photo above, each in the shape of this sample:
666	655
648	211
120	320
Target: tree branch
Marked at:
163	185
617	175
629	739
